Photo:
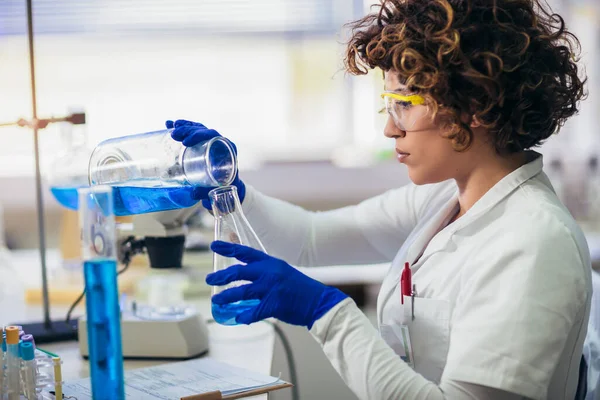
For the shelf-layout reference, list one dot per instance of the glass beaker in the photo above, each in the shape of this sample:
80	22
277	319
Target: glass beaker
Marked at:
98	233
152	172
231	226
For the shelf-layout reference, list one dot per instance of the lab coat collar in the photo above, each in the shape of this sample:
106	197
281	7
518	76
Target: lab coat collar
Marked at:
429	239
433	239
502	189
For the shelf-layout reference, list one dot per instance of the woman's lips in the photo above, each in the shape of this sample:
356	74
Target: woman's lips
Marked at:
401	155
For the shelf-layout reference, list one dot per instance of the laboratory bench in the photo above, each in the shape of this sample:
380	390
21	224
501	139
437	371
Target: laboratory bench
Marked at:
249	347
255	347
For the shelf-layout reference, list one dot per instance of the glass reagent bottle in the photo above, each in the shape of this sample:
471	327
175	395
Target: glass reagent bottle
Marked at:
152	172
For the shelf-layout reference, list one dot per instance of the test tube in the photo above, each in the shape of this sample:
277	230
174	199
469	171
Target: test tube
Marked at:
3	351
57	378
13	363
28	338
29	370
97	224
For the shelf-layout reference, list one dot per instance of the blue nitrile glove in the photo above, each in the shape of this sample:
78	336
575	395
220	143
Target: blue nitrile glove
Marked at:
284	292
191	133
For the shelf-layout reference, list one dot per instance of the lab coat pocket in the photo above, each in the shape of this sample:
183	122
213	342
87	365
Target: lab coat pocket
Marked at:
429	334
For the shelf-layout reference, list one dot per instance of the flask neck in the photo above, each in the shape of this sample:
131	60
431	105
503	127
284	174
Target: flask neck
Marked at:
231	224
225	202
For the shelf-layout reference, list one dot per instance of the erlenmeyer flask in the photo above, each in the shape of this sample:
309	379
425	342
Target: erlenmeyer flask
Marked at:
231	226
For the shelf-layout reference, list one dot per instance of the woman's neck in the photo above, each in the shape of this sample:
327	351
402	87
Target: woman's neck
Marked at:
486	173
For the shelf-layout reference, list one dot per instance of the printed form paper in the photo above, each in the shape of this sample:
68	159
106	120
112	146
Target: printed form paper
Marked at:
176	380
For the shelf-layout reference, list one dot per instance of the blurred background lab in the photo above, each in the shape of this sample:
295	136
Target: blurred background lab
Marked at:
266	74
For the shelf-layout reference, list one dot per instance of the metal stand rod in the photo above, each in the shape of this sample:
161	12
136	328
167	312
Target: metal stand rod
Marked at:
38	176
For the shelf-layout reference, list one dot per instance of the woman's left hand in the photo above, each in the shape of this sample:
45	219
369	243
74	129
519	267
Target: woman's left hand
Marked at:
284	292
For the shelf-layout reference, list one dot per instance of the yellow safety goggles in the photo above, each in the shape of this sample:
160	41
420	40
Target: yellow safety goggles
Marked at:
403	109
413	99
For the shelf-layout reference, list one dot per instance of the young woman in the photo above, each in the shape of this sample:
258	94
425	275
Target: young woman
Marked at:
500	269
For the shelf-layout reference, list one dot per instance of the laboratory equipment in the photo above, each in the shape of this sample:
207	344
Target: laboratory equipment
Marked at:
56	364
29	370
136	167
48	372
152	172
172	332
69	171
13	363
46	330
28	338
284	292
39	371
180	337
192	133
98	233
231	226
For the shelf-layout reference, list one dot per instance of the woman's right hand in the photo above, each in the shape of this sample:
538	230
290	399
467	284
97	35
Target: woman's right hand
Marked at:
191	133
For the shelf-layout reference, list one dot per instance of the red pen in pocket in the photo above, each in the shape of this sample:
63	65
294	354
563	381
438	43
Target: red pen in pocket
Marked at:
405	282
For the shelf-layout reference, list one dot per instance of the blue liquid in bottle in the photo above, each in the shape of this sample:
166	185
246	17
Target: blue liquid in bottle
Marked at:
225	314
138	200
66	196
104	329
135	200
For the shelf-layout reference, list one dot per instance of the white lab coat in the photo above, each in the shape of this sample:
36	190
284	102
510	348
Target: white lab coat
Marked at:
591	346
503	292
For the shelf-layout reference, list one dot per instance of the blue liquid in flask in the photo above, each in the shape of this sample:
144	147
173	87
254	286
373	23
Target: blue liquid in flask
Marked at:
225	314
104	329
138	200
66	196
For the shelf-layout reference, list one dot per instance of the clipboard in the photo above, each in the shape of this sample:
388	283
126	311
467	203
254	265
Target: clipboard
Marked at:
254	392
198	379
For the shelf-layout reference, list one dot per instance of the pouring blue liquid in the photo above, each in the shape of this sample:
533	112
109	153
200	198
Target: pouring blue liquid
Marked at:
131	200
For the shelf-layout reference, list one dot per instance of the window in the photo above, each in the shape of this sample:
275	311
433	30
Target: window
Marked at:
266	73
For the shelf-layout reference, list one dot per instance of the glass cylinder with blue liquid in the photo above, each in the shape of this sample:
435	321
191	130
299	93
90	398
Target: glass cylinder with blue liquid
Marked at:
231	226
152	172
98	235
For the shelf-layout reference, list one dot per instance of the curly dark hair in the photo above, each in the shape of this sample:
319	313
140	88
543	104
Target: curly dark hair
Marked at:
511	64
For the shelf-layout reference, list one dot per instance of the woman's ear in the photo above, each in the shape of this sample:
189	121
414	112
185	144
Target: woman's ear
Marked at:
475	123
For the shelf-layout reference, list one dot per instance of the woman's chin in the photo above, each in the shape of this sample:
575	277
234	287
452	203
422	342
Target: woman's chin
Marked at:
422	178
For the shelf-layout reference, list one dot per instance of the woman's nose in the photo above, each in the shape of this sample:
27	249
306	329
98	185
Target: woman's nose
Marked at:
391	130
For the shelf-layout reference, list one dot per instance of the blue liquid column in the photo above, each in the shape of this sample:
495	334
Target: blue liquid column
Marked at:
98	232
104	329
